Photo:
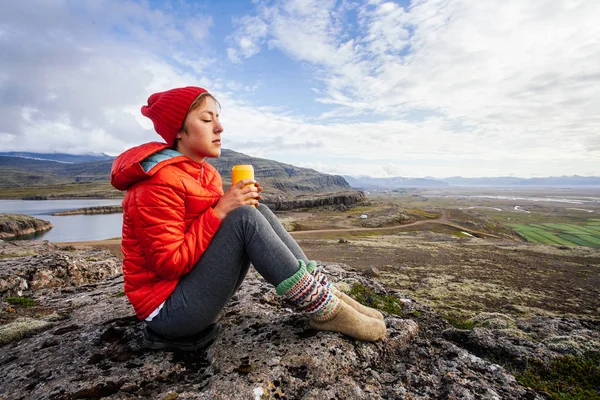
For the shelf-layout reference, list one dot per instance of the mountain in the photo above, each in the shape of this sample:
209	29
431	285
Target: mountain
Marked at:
282	177
556	181
23	172
366	182
369	183
28	169
59	157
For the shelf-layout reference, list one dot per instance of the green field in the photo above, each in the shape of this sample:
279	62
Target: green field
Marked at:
561	234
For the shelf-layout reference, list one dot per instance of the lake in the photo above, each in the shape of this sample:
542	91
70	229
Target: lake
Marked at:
69	228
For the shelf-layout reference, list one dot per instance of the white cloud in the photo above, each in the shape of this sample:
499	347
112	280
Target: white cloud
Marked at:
508	81
67	86
247	39
386	28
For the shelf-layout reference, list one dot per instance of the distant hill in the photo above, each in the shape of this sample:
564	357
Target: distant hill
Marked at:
29	169
22	172
365	182
369	183
552	181
67	158
281	177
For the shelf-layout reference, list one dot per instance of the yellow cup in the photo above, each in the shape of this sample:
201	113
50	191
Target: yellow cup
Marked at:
241	172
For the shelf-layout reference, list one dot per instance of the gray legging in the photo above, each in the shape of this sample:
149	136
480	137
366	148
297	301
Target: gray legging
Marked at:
247	235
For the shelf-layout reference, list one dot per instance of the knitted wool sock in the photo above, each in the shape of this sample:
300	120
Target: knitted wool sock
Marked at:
328	312
302	289
320	277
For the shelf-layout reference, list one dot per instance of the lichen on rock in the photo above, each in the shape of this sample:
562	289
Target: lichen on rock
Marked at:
20	328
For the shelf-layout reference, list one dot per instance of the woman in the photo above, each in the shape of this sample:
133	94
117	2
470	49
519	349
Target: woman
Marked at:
187	246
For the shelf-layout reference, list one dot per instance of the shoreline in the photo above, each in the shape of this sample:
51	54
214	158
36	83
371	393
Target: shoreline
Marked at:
113	245
58	197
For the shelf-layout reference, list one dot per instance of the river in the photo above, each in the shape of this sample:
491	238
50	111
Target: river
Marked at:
70	228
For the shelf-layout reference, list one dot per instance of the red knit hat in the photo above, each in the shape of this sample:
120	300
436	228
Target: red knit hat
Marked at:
168	110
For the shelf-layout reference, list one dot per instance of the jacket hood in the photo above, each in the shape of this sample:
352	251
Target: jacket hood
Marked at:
141	162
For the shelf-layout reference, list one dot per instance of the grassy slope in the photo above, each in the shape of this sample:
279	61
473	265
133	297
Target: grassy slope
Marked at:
66	190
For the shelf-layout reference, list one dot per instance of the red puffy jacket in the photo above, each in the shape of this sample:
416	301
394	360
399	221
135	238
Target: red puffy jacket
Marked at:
168	219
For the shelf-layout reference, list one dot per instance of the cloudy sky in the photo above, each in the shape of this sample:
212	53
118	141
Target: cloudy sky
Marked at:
411	88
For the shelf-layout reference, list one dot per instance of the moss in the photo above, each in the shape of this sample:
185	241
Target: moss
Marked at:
68	248
367	234
422	213
20	328
120	294
369	298
460	323
245	368
572	344
567	378
21	301
494	321
171	396
17	255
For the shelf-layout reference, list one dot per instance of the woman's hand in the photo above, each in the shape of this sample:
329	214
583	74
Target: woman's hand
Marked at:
260	189
238	195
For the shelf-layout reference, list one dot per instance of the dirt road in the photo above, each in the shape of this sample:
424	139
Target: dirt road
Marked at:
442	220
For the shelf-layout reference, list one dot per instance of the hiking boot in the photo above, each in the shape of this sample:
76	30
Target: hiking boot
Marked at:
199	341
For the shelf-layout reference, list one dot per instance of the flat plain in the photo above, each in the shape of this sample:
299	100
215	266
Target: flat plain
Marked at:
523	252
459	250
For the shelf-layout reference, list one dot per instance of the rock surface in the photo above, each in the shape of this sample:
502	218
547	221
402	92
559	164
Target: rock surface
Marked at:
86	343
372	272
41	265
13	225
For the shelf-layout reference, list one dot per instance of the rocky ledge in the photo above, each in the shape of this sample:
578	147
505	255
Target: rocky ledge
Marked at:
92	210
13	225
336	200
81	339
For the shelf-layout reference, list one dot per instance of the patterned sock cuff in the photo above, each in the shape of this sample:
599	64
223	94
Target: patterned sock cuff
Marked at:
310	267
328	309
320	276
290	282
303	289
